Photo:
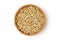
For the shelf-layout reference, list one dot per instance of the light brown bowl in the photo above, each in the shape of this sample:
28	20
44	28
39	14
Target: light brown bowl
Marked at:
30	19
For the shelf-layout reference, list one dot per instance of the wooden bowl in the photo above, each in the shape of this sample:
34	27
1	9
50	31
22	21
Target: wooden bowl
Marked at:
30	19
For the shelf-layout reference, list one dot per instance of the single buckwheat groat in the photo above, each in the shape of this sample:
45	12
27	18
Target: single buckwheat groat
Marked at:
30	20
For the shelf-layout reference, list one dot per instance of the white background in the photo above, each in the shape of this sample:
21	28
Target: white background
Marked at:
8	9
